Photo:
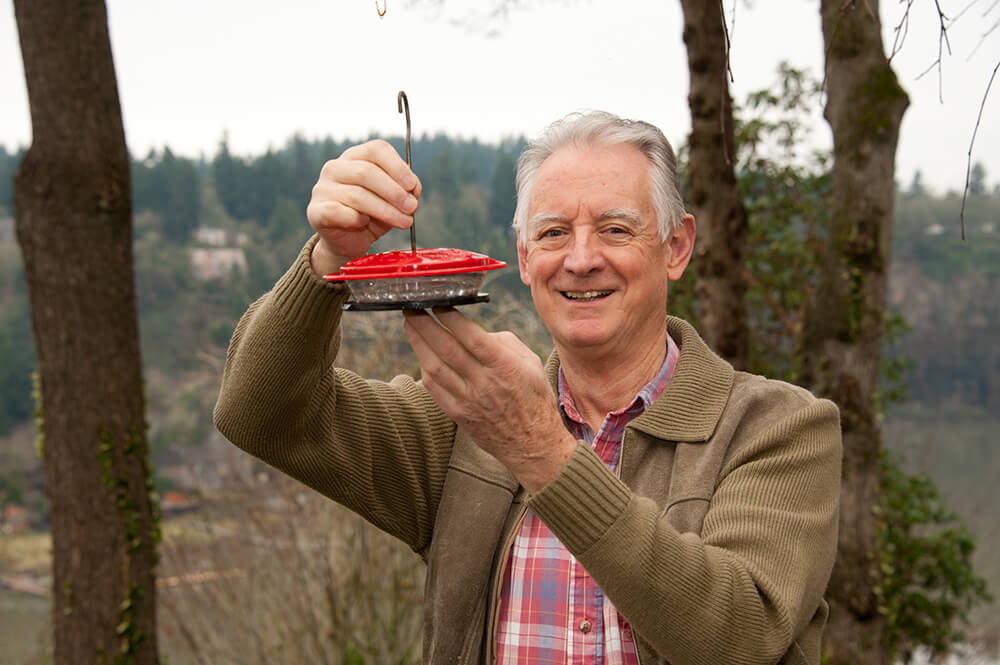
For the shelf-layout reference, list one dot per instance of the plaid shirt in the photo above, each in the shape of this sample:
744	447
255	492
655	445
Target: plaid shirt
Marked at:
551	610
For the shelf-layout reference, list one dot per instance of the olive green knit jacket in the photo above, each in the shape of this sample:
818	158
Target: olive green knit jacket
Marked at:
716	543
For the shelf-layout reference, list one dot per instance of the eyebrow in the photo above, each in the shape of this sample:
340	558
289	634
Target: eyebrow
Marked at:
630	216
543	217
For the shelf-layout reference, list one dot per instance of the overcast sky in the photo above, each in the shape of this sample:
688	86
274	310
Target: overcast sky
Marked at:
191	70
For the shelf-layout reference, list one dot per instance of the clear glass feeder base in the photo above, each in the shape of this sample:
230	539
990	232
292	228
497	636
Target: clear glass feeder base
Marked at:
352	306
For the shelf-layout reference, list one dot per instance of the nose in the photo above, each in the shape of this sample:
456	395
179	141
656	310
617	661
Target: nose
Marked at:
583	255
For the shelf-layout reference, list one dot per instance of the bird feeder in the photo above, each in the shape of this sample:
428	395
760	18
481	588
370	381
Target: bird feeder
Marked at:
415	278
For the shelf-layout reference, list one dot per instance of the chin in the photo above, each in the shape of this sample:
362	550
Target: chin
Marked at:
583	337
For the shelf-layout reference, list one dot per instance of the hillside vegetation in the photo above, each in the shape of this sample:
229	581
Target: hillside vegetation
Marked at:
210	236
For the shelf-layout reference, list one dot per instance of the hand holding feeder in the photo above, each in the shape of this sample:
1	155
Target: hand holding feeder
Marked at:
418	278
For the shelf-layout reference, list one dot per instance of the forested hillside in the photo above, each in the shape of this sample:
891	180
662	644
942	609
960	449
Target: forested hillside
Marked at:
213	234
254	206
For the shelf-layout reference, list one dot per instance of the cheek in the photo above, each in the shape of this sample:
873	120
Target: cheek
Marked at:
649	268
535	266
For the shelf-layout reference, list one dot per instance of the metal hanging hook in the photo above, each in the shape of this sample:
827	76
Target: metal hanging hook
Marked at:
381	10
403	103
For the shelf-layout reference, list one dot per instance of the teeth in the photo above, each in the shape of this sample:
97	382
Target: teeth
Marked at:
585	295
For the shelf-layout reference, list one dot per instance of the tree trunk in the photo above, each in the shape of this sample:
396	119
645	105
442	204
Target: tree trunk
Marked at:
843	323
711	191
72	203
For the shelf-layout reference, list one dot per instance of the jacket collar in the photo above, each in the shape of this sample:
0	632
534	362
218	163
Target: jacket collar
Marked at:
689	408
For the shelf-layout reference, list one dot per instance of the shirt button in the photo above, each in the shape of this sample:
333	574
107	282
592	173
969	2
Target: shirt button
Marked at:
585	626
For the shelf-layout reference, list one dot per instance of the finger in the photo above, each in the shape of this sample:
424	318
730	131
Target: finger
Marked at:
439	376
440	338
364	202
382	154
328	215
343	180
476	341
513	343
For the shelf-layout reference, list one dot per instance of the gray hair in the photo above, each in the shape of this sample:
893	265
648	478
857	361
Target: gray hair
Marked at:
602	128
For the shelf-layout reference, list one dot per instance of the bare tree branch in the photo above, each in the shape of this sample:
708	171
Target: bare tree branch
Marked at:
943	41
986	34
968	165
901	30
967	7
724	94
725	33
779	312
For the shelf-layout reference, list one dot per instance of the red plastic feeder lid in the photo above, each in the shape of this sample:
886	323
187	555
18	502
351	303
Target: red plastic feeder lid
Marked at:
421	263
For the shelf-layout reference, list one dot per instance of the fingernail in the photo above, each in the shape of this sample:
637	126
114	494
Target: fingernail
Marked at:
410	204
409	181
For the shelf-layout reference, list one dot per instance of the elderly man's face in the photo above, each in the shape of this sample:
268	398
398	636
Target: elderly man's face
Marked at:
591	253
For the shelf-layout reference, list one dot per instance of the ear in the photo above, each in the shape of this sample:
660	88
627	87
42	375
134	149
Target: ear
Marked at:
680	248
522	262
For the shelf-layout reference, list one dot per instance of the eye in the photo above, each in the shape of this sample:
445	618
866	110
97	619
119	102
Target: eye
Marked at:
552	233
616	232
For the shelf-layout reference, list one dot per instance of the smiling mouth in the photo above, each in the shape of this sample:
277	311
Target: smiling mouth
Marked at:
585	296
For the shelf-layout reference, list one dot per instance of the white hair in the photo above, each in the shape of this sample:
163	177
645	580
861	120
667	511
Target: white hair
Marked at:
606	129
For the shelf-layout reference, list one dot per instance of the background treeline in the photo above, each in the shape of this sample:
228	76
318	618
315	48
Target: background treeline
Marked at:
941	369
258	203
942	287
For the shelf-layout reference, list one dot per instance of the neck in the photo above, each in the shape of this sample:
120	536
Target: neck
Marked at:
606	383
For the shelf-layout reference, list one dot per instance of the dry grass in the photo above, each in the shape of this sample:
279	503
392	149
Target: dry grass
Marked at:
26	553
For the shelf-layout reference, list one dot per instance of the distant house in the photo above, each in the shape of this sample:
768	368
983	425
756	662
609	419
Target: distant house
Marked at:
15	519
212	264
174	503
206	235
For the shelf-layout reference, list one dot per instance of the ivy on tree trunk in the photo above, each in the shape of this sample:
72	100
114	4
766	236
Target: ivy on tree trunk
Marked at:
844	319
72	203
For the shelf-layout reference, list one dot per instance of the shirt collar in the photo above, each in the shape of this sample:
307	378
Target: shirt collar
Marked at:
643	399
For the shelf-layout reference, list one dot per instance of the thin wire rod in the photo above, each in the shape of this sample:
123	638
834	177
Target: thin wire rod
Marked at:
402	102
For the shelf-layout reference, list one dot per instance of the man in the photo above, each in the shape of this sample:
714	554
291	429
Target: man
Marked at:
634	500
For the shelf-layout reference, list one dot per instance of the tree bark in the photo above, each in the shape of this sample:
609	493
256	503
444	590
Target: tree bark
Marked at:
711	190
844	322
72	204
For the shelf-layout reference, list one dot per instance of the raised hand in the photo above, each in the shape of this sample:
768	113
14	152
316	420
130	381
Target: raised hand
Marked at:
360	196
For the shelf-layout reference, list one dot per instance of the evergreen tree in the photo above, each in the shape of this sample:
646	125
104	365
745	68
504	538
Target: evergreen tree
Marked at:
179	179
443	179
229	175
266	179
8	164
302	171
503	194
977	179
17	357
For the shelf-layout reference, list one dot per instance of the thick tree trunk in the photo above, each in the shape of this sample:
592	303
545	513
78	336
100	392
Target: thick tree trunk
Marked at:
843	326
711	191
72	204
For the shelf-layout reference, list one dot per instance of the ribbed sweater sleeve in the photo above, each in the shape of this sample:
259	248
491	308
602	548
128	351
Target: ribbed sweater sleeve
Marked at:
749	583
381	449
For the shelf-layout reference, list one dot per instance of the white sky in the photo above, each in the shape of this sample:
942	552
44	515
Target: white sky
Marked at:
190	70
